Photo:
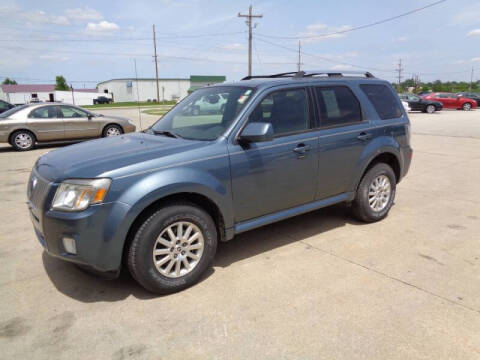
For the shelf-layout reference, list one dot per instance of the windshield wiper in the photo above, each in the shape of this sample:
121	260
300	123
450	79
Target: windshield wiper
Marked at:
166	133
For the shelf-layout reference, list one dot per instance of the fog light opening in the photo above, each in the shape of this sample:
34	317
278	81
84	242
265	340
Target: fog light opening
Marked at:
69	245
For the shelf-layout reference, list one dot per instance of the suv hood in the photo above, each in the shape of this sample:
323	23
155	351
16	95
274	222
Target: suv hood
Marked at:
114	156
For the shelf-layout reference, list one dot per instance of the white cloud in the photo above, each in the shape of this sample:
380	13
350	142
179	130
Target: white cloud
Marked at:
474	32
103	27
319	32
234	46
84	14
342	67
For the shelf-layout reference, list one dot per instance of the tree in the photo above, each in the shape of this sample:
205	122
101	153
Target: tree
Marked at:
61	83
7	81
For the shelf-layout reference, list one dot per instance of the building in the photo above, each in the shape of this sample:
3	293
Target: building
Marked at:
125	89
26	93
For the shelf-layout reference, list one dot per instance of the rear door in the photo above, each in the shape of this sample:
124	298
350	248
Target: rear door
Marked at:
45	123
78	124
271	176
344	132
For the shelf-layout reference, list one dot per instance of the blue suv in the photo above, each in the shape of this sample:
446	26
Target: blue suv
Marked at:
228	158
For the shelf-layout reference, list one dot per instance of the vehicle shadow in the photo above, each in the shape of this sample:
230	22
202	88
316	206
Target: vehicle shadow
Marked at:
53	145
85	287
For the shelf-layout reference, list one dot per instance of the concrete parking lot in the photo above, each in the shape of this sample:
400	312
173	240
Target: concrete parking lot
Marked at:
318	286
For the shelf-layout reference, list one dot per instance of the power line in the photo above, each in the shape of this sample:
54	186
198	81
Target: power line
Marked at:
356	27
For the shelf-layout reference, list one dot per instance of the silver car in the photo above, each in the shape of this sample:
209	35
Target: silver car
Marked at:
25	125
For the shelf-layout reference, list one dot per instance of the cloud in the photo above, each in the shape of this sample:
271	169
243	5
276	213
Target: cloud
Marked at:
234	46
342	67
84	14
103	27
319	32
400	39
476	59
474	32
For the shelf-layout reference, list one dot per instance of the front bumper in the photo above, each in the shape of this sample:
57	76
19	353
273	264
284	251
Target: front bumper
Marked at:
99	231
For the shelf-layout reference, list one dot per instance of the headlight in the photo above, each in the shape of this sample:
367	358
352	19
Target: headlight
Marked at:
77	195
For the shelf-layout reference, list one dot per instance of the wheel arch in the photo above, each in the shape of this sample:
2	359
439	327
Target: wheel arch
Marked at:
20	129
389	157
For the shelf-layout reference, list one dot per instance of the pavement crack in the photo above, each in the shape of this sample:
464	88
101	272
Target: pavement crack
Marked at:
389	276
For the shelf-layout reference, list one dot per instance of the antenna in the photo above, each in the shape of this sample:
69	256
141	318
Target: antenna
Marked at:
138	96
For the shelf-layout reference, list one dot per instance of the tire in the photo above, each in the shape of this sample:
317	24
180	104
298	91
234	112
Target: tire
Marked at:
430	109
361	205
157	277
112	130
23	140
467	106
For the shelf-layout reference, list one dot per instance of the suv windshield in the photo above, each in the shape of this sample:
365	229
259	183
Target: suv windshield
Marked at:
12	111
205	114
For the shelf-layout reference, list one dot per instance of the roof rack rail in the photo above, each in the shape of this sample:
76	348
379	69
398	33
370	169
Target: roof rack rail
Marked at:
311	73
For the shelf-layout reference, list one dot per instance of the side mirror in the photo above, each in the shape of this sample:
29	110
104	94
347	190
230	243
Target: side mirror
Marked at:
90	116
257	132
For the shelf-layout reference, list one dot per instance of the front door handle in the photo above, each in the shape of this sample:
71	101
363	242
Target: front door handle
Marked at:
364	136
302	150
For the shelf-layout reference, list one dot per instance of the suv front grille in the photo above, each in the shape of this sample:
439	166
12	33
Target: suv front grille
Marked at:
37	189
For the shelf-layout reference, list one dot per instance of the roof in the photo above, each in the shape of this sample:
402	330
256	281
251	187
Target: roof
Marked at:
85	90
208	78
29	88
142	79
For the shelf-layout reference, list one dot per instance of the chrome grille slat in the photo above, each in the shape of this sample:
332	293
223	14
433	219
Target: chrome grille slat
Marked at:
38	193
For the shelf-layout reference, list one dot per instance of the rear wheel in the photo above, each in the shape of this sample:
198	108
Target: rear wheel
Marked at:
172	248
467	106
112	130
430	109
22	140
375	194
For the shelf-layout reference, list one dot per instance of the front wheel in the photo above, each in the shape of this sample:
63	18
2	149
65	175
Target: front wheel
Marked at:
112	130
430	109
467	107
172	248
375	194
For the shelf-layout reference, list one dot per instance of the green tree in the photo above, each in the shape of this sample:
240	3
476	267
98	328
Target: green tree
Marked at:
8	81
61	83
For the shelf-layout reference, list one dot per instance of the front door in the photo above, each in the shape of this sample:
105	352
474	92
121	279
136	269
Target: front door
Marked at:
46	124
271	176
78	124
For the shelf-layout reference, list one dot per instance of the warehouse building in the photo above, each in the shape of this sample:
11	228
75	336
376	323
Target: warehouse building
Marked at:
27	93
145	89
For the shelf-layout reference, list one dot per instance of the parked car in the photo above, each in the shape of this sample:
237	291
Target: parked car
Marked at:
161	200
102	100
406	106
452	101
416	103
25	125
4	106
470	95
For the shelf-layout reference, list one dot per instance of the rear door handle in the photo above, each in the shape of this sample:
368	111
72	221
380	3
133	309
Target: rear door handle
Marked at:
364	136
302	150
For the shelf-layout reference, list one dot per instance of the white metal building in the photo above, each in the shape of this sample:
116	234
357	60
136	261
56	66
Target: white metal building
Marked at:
27	93
123	90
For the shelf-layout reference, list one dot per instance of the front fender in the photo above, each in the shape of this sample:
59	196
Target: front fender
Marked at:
378	146
143	192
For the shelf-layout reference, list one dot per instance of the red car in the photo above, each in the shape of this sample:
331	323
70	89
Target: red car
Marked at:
452	101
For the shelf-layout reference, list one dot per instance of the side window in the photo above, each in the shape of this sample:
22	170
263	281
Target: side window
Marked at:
4	105
337	105
45	112
286	110
383	100
71	112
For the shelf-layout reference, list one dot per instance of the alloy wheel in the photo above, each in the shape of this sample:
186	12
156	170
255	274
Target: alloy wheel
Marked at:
178	249
113	131
23	140
379	193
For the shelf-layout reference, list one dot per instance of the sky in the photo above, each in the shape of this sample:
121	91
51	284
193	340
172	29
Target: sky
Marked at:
91	41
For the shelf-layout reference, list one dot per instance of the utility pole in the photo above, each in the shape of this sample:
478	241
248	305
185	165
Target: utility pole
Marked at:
399	70
73	96
299	64
249	17
471	80
156	62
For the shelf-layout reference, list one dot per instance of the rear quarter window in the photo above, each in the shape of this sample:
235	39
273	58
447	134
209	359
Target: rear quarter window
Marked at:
383	100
